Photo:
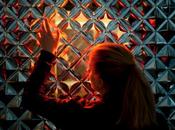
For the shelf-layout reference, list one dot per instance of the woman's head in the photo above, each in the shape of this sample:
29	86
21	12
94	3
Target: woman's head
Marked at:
109	65
114	73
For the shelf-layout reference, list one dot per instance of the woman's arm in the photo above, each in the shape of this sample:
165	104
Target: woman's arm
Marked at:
33	99
60	113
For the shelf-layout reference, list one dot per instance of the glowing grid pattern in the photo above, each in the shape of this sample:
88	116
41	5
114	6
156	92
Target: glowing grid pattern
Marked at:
147	27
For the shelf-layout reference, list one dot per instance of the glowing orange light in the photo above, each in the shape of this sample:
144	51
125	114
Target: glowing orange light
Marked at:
94	31
105	20
81	19
64	3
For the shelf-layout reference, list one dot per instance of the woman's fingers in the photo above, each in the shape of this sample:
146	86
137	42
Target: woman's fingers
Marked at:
47	26
43	29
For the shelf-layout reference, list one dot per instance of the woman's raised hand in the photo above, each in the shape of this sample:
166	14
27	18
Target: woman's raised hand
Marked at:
48	37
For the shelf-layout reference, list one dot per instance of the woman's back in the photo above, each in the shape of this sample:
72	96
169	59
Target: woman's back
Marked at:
75	113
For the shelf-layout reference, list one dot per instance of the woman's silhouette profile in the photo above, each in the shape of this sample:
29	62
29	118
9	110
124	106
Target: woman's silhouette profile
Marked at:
125	100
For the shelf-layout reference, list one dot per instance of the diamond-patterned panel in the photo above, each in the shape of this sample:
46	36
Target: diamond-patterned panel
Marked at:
146	27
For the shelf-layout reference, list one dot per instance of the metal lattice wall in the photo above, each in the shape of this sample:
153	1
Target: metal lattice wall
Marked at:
145	26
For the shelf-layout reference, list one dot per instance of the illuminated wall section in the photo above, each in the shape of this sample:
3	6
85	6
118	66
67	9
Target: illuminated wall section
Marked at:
147	27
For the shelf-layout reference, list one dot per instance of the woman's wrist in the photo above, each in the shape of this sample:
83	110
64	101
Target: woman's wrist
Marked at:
47	56
52	51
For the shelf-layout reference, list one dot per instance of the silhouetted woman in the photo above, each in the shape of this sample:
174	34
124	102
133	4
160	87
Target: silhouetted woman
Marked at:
125	100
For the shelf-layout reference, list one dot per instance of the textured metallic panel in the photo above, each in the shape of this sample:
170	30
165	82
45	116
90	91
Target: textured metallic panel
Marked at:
147	27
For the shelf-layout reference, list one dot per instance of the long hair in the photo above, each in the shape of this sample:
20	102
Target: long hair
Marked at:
123	79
